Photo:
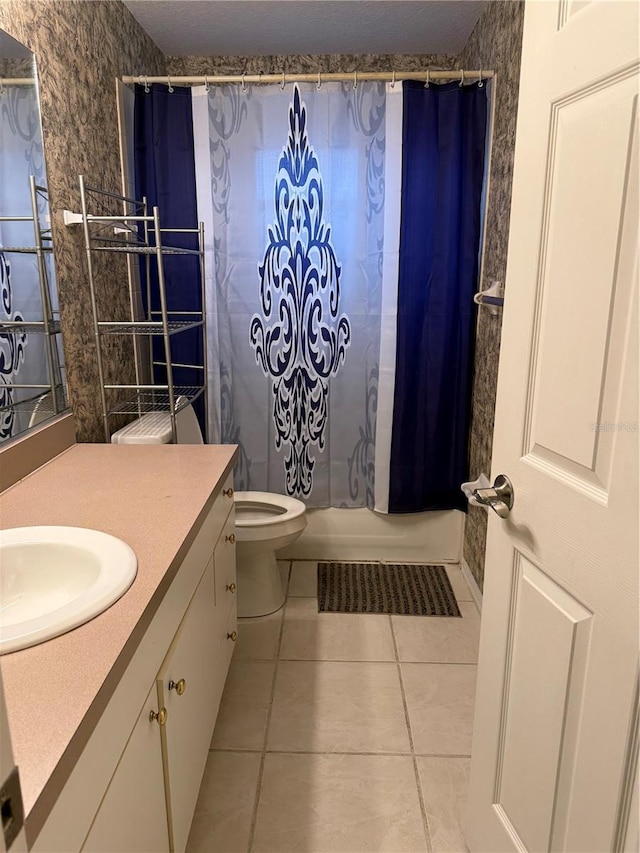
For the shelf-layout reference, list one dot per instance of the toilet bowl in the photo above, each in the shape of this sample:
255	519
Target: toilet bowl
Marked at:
265	523
155	428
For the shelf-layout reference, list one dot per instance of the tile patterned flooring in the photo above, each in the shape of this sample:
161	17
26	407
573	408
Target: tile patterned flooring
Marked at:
342	733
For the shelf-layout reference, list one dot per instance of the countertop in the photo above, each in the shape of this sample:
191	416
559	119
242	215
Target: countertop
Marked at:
154	497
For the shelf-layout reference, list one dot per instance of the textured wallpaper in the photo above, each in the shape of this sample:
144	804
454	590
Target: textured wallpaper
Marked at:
306	63
495	43
81	47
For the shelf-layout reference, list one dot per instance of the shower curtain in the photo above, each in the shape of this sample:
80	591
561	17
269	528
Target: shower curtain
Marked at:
289	185
343	232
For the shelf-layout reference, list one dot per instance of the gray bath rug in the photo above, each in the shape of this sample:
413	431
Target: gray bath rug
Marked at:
397	588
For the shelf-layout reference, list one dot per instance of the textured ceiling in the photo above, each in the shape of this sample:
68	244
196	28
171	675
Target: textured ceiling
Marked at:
267	27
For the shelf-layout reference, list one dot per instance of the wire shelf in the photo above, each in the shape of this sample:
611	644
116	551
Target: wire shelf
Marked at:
156	400
153	328
42	403
25	250
146	250
38	327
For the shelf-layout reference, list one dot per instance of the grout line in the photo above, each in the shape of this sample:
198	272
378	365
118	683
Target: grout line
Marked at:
245	750
254	817
423	810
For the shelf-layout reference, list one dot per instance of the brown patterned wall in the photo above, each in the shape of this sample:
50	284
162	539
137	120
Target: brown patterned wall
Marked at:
81	47
305	63
495	43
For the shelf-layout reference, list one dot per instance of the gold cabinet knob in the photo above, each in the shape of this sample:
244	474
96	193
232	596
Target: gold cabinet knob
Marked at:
231	587
228	492
230	538
232	636
161	716
178	686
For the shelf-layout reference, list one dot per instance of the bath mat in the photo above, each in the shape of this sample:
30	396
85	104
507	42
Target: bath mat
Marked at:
396	588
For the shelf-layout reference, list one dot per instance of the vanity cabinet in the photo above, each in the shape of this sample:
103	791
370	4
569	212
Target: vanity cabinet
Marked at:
146	800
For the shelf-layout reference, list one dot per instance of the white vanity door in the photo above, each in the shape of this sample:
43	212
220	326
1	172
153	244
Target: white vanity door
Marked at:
189	668
132	815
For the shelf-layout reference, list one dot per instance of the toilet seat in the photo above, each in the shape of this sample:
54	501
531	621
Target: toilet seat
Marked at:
262	509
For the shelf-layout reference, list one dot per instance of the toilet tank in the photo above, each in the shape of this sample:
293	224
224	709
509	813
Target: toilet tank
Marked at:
155	428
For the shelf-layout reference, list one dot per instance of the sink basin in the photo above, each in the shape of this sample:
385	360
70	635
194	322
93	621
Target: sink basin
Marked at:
53	579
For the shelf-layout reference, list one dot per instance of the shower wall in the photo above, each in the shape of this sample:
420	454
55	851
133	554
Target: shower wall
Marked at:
495	43
81	47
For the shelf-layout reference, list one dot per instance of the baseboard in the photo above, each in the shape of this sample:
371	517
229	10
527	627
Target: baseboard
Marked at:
471	583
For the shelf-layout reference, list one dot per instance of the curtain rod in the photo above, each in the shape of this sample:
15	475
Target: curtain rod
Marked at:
320	77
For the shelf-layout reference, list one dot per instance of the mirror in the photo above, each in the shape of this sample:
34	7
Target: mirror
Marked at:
32	377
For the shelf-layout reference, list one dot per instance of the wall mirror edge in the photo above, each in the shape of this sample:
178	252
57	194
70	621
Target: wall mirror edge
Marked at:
33	379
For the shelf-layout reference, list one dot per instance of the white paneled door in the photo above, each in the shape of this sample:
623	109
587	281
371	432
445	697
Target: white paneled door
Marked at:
555	733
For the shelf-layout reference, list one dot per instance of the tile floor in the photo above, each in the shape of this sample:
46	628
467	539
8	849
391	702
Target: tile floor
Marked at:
342	733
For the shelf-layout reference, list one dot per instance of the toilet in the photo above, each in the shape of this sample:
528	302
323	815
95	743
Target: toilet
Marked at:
265	523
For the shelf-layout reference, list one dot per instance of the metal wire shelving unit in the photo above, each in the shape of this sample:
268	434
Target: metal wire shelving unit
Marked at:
39	401
137	231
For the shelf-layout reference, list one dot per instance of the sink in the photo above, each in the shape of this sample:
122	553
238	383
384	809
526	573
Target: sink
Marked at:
53	579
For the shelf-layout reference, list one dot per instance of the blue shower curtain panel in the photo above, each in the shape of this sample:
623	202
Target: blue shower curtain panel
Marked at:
443	149
165	174
342	240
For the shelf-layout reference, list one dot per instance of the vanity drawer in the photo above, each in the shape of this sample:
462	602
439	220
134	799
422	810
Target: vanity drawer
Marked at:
224	557
190	695
222	505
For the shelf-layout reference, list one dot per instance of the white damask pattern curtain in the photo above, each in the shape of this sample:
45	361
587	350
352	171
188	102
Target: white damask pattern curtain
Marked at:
291	187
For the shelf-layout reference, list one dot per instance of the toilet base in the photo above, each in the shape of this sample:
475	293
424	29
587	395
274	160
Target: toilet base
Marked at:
259	585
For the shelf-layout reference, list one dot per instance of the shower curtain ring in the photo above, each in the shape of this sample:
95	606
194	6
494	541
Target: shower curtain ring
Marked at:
319	83
461	83
355	79
428	80
243	85
283	81
480	80
393	79
169	82
207	87
146	85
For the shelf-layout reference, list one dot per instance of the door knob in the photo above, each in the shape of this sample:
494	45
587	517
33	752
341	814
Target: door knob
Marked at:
500	498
